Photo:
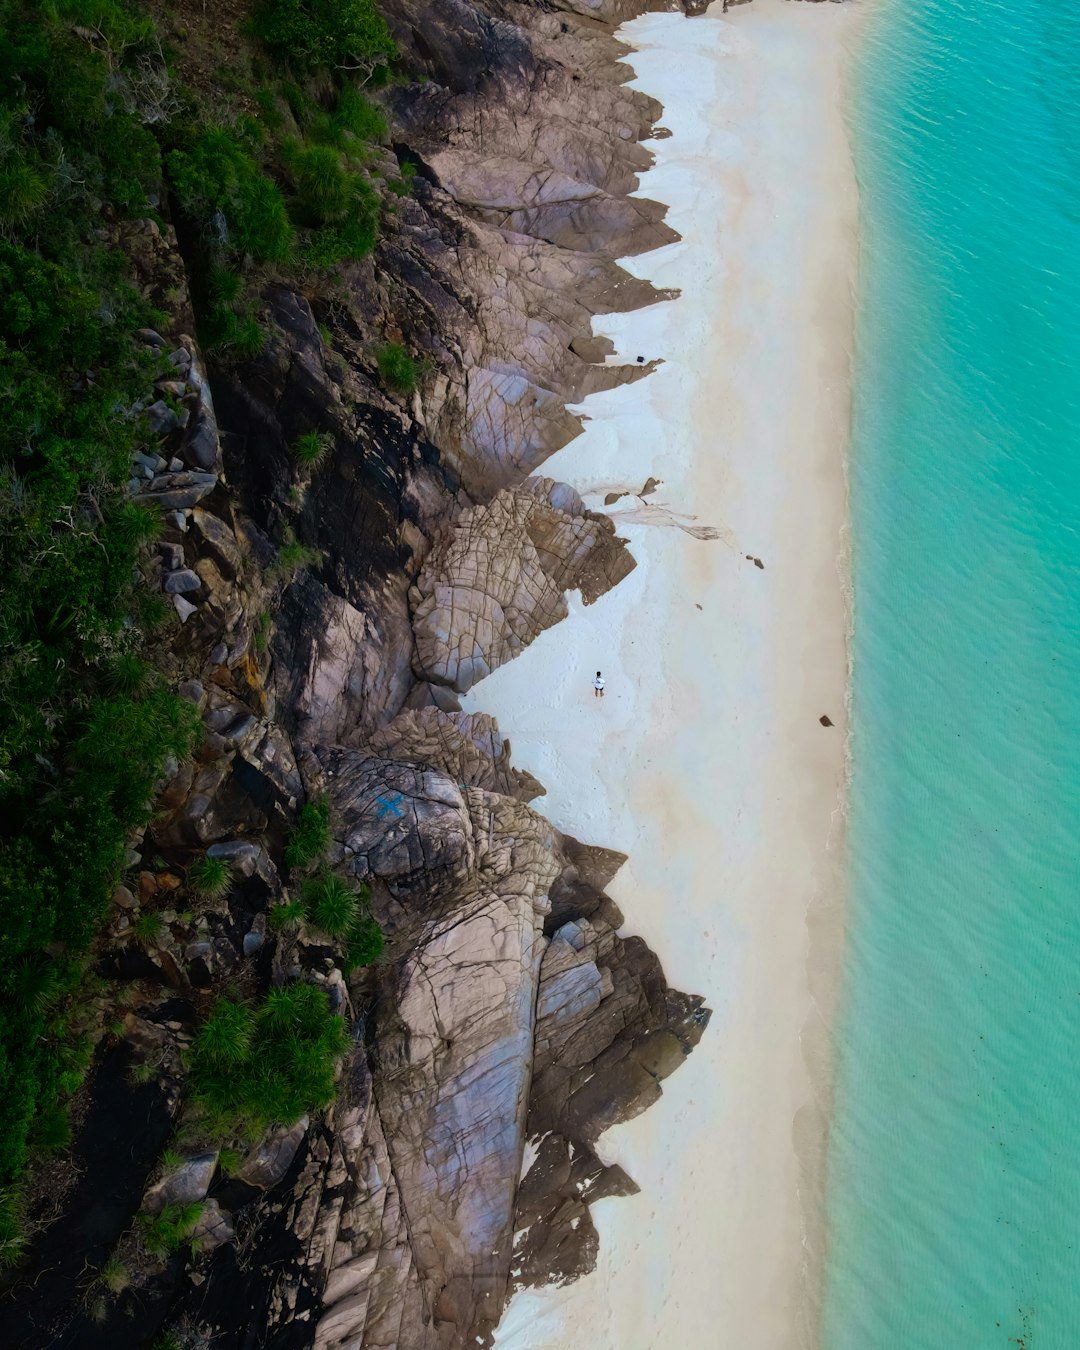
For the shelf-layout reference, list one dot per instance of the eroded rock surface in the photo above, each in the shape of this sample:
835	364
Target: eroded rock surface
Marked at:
499	576
507	1024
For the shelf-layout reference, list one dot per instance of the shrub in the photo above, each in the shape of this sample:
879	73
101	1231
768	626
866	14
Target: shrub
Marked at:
286	1069
325	188
338	33
329	904
350	241
209	878
220	183
310	835
397	368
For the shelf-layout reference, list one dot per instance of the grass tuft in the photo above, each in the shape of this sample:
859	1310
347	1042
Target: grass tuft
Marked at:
285	916
52	1130
364	944
166	1233
310	835
13	1238
209	878
115	1276
230	1160
226	1036
398	369
329	904
311	449
148	929
287	1066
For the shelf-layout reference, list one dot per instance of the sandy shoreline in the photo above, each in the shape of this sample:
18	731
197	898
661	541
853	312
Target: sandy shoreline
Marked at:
706	761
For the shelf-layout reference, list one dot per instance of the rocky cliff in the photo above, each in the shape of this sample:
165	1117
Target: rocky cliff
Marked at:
329	616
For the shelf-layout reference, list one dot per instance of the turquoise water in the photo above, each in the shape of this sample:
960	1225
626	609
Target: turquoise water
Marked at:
954	1172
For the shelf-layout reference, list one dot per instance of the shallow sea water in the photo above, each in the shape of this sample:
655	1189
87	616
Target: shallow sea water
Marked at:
954	1165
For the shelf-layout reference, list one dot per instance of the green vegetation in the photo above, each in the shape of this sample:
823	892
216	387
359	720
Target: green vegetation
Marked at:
287	186
364	942
12	1233
341	913
253	1067
114	1275
398	369
51	1130
170	1161
260	635
330	905
337	33
230	1160
293	556
169	1232
209	878
285	916
311	449
310	835
85	723
148	929
95	132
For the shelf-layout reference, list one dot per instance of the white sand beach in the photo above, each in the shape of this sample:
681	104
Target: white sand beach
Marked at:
706	761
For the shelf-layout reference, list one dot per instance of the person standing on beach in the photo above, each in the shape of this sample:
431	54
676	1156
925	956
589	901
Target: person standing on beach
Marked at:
598	686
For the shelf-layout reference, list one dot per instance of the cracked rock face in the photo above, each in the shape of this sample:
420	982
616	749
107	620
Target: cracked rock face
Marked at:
485	1029
498	577
467	746
508	1024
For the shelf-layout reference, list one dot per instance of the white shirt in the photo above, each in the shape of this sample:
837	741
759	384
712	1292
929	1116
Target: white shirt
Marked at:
598	683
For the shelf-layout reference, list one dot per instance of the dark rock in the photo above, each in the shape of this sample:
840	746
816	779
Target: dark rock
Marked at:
182	582
193	691
185	1185
172	555
162	418
177	491
217	539
214	1228
123	898
268	1162
199	447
